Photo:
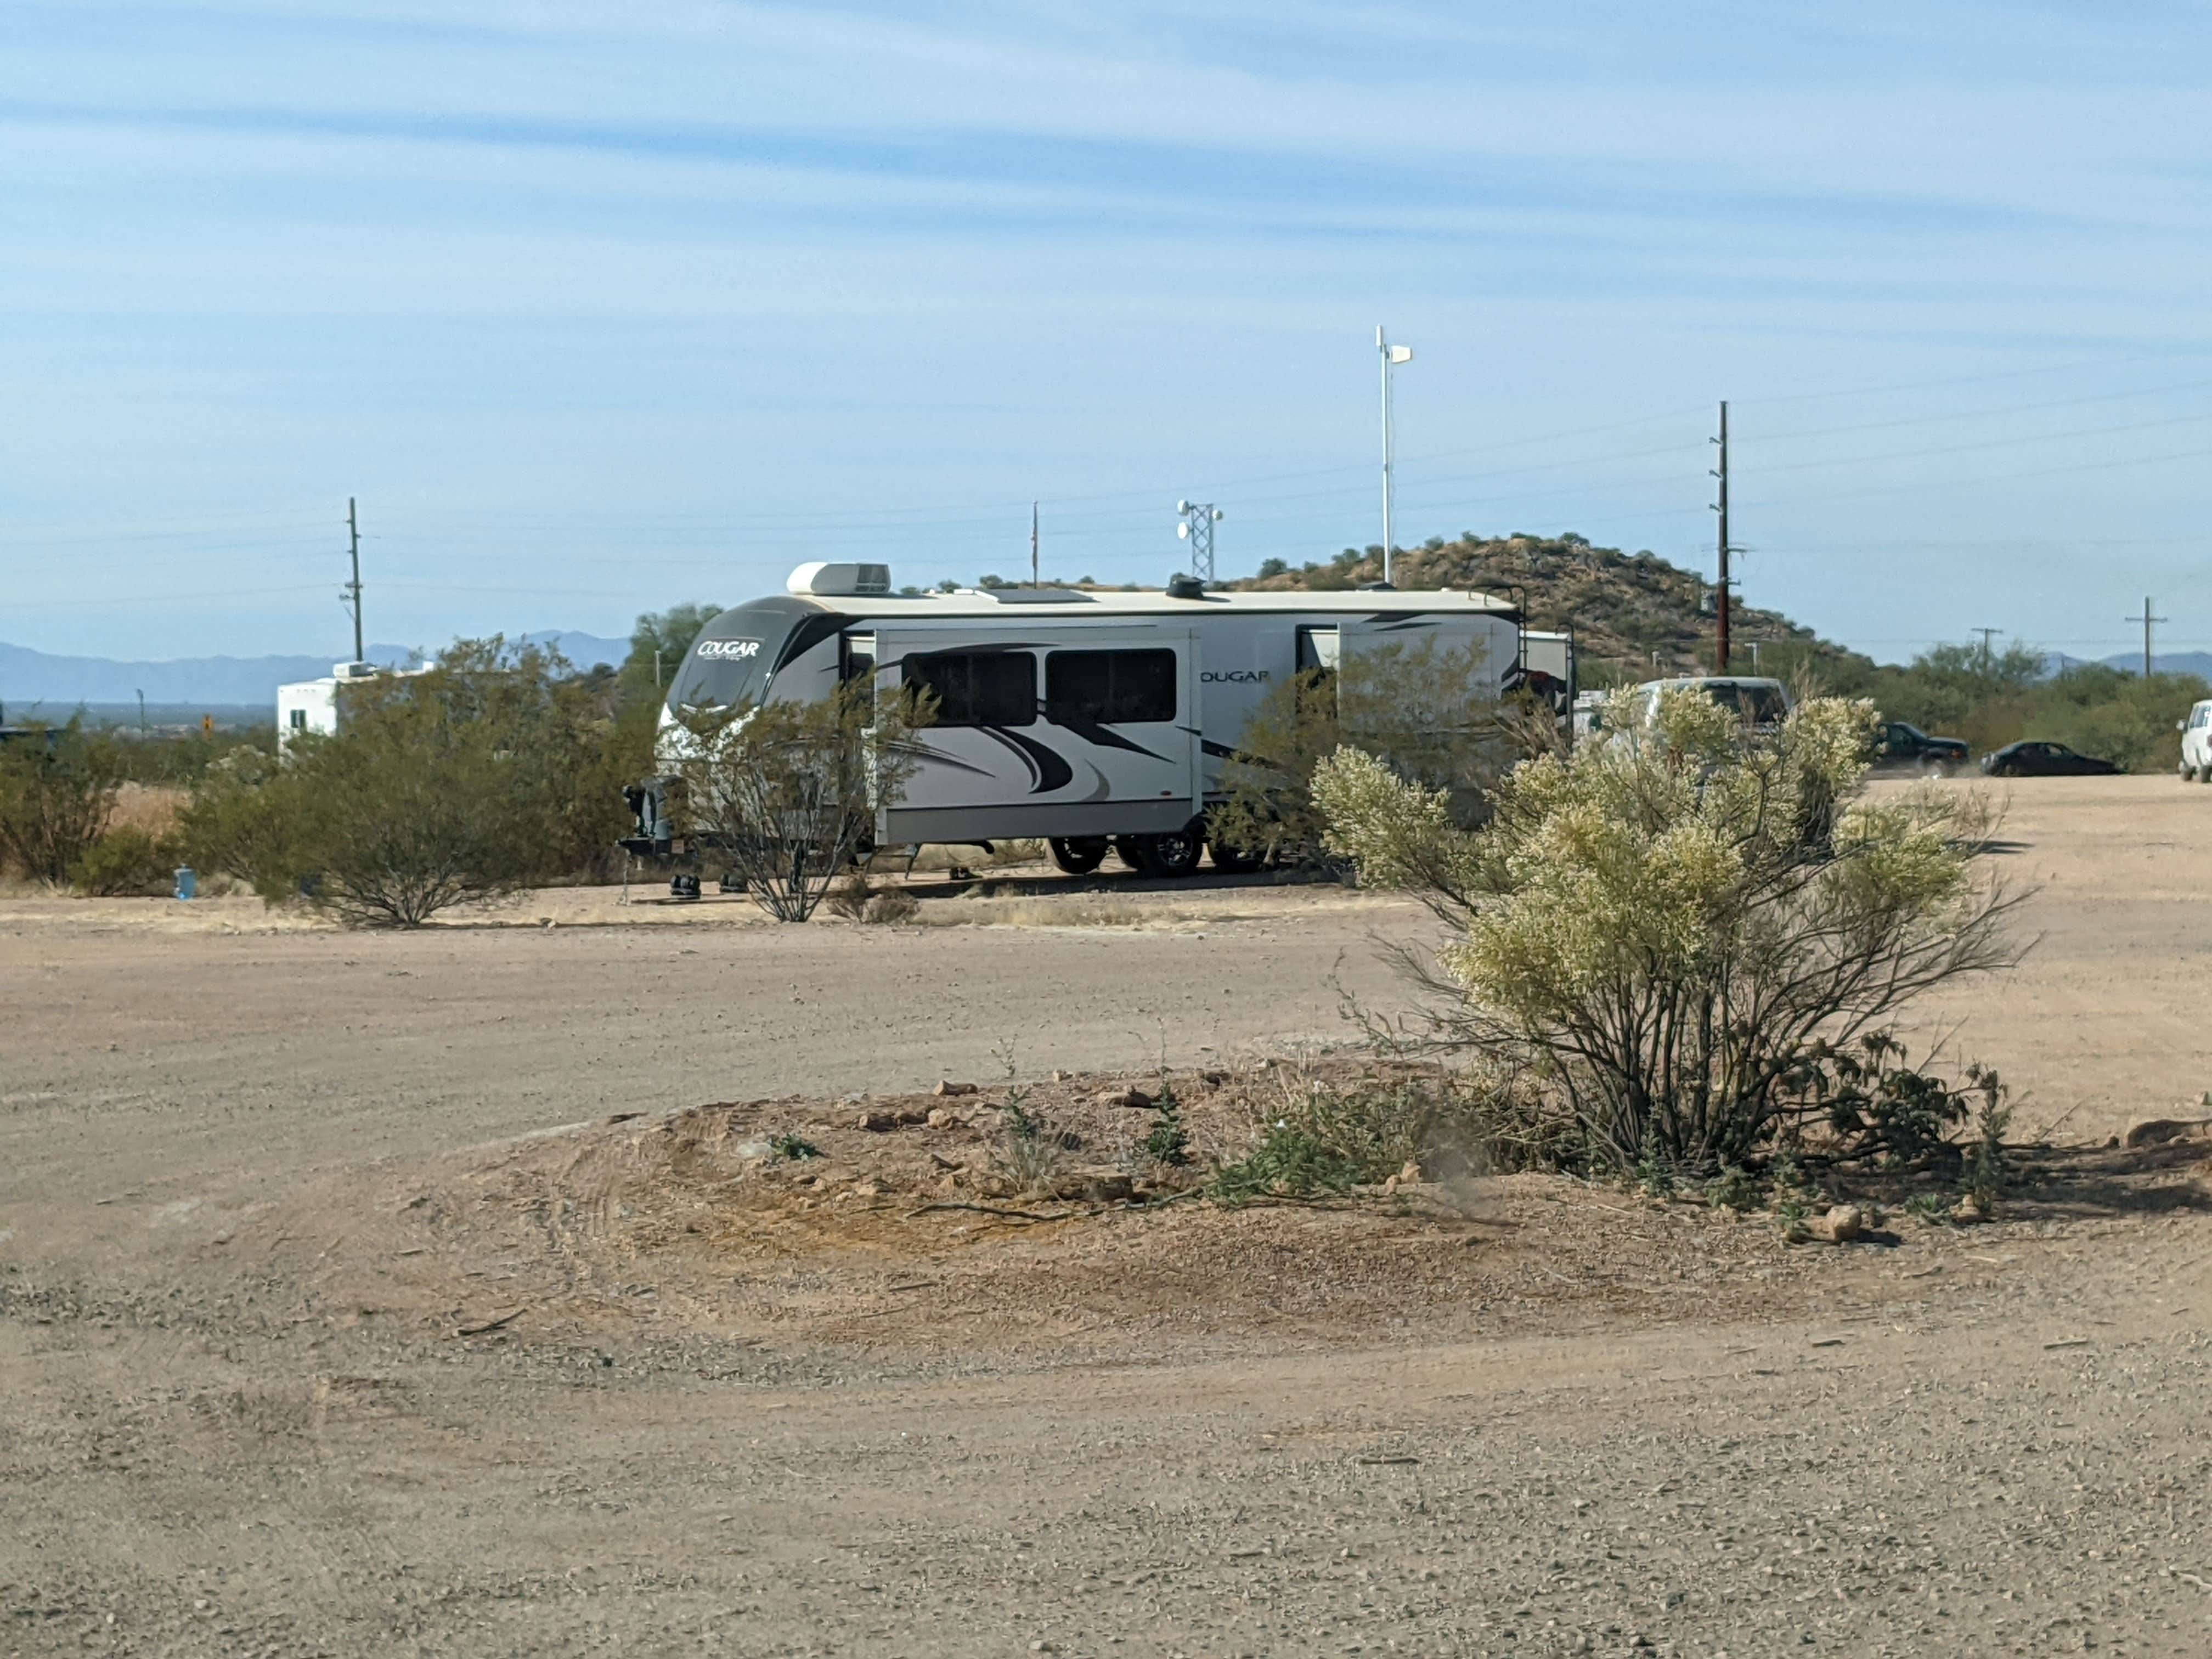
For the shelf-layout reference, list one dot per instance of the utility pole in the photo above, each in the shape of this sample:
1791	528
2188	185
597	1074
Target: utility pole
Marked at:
1721	507
1988	634
1198	518
1034	582
2146	619
1391	356
351	596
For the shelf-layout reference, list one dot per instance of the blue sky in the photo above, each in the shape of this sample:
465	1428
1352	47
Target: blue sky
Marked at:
597	307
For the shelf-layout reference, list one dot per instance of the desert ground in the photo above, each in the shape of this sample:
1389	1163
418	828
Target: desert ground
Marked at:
426	1293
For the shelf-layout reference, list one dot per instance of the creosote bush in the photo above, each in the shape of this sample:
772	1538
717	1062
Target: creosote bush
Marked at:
57	792
786	791
127	862
1664	927
458	785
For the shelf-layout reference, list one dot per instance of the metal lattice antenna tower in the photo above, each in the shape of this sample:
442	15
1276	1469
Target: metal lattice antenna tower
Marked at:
1198	518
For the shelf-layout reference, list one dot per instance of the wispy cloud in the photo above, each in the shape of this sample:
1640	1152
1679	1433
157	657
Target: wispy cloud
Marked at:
685	274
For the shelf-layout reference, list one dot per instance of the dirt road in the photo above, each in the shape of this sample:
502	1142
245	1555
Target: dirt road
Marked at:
253	1186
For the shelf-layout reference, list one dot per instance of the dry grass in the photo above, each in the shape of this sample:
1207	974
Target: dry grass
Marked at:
152	807
1003	855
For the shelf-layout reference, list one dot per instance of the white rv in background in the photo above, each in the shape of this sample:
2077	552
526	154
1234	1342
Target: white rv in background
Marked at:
312	705
1083	718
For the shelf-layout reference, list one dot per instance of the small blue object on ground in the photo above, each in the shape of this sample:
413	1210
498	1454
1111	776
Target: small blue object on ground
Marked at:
188	884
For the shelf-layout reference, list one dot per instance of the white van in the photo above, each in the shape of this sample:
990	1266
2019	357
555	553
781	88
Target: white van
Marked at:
2196	743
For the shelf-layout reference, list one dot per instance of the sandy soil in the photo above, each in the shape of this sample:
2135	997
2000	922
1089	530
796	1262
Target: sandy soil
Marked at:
336	1316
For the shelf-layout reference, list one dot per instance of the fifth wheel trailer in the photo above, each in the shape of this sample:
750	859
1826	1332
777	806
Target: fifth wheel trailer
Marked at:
1068	714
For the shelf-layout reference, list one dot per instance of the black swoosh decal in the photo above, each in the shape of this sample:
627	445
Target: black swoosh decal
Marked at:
1105	737
809	634
943	759
1047	770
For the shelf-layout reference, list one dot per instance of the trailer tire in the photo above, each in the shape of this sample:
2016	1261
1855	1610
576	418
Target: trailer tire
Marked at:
1077	855
1172	854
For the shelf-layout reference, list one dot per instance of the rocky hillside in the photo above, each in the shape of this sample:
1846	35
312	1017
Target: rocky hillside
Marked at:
1622	607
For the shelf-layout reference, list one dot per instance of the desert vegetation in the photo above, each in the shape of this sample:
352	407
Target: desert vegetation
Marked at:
1680	951
785	793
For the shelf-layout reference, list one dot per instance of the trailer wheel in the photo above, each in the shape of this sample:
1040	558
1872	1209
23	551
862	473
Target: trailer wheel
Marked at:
1077	855
1175	854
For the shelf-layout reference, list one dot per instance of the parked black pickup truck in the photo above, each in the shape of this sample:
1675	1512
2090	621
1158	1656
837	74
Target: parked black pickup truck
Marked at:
1897	743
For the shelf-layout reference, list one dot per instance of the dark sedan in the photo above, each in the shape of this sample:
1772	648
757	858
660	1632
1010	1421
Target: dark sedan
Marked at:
1898	743
2034	758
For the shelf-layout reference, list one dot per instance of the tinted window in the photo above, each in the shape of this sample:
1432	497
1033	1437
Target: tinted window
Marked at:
978	688
1758	705
1109	688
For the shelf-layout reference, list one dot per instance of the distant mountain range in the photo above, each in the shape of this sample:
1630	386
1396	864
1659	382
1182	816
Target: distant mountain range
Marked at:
50	684
2199	663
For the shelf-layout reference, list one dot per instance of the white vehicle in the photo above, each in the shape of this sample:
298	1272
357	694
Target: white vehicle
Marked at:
2196	743
1764	704
1087	719
312	705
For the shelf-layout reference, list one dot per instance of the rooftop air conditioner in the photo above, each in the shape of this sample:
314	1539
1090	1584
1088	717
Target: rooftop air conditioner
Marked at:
825	581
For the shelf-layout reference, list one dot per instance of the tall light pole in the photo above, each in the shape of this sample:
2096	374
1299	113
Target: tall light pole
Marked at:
1391	356
1196	528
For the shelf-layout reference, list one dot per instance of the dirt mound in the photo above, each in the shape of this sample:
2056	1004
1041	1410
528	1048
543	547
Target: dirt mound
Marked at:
895	1221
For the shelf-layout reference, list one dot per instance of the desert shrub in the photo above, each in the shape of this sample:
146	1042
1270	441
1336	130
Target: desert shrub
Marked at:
1167	1142
397	832
1429	714
57	794
890	906
1879	1106
127	862
246	820
793	1146
1986	1173
461	784
847	895
1661	926
1028	1155
787	790
1322	1137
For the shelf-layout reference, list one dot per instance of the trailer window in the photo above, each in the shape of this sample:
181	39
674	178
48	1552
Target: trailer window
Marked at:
977	688
1109	688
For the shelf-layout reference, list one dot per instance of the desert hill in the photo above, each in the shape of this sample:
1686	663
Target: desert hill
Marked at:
1622	607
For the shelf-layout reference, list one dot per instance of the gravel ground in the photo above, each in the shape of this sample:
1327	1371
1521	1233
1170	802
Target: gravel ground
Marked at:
256	1186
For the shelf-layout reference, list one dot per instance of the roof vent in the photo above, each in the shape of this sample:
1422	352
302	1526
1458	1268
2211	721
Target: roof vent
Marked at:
1033	595
1186	587
839	581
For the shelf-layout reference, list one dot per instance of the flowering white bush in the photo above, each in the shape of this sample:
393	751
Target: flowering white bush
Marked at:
1665	922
